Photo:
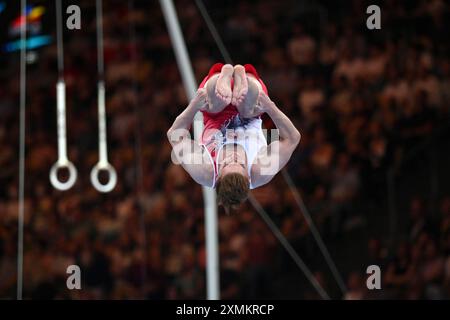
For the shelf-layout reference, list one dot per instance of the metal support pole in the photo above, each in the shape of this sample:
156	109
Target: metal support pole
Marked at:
22	146
209	195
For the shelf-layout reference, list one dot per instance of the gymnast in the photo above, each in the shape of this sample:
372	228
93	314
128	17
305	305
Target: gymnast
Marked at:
233	155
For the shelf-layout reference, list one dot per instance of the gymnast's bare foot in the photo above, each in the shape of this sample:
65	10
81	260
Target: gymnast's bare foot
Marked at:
219	89
248	106
240	87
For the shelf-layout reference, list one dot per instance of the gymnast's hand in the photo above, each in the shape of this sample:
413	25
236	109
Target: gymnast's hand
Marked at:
199	102
264	103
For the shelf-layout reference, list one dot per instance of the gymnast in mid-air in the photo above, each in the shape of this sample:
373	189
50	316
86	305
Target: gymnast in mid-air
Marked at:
233	155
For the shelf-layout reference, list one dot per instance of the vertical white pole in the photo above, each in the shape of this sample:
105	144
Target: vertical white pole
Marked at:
22	119
209	195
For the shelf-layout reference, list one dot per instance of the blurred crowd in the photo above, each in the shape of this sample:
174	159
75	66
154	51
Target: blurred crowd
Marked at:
361	98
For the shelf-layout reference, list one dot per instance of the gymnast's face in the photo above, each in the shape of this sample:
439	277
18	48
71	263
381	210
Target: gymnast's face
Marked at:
232	160
234	168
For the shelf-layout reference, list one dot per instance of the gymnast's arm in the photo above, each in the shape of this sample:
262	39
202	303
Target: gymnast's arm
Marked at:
272	158
187	152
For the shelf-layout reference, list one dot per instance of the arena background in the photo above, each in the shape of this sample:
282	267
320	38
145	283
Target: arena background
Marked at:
372	165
